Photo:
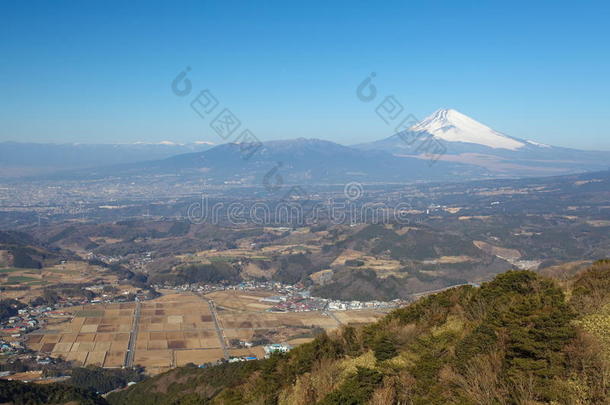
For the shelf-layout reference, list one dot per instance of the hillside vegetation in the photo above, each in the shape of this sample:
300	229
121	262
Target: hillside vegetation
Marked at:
18	393
519	339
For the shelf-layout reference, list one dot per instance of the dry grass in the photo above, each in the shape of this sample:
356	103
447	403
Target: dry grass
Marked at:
198	356
358	317
241	300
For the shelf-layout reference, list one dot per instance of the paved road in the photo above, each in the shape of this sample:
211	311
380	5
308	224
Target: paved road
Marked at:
339	323
221	337
133	336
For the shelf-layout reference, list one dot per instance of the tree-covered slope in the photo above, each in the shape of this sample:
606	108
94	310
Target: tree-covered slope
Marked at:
18	393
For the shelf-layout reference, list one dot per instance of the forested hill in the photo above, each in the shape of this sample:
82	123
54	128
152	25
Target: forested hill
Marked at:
18	393
519	339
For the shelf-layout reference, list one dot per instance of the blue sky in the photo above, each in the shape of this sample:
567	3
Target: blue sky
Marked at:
100	72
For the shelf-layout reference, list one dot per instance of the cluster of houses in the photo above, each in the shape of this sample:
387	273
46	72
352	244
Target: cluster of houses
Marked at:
243	286
11	347
334	305
301	302
12	329
289	298
26	320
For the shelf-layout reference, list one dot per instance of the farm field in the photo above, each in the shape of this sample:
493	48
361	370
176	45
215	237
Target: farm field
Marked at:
91	335
34	280
179	328
242	316
176	329
256	351
360	316
382	267
100	334
12	276
249	301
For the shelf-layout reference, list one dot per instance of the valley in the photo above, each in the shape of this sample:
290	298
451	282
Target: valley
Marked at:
143	287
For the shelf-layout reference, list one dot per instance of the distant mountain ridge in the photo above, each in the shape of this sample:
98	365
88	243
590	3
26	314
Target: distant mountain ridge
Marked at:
470	150
299	161
23	158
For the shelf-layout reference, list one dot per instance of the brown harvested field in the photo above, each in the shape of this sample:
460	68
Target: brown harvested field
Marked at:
104	337
241	334
35	338
246	322
83	347
88	328
154	358
118	346
312	318
77	357
176	344
256	351
51	338
62	347
35	280
155	345
198	356
237	322
85	337
241	300
173	324
270	320
96	358
382	267
174	313
77	272
299	341
114	359
162	327
69	337
47	347
101	346
95	334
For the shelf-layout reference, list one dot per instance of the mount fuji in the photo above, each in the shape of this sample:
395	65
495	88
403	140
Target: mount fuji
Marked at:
470	142
453	126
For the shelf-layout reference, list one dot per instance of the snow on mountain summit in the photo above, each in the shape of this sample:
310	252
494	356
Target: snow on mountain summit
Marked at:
453	126
542	145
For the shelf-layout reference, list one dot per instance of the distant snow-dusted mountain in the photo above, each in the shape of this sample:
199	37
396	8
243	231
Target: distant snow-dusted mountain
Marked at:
453	126
470	142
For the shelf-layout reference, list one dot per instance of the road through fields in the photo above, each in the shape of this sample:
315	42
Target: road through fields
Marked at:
221	337
133	336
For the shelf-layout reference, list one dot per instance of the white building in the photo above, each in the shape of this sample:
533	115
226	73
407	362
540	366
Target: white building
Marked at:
276	348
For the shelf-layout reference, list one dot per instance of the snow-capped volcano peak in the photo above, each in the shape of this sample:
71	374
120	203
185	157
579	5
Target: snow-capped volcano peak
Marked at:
453	126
